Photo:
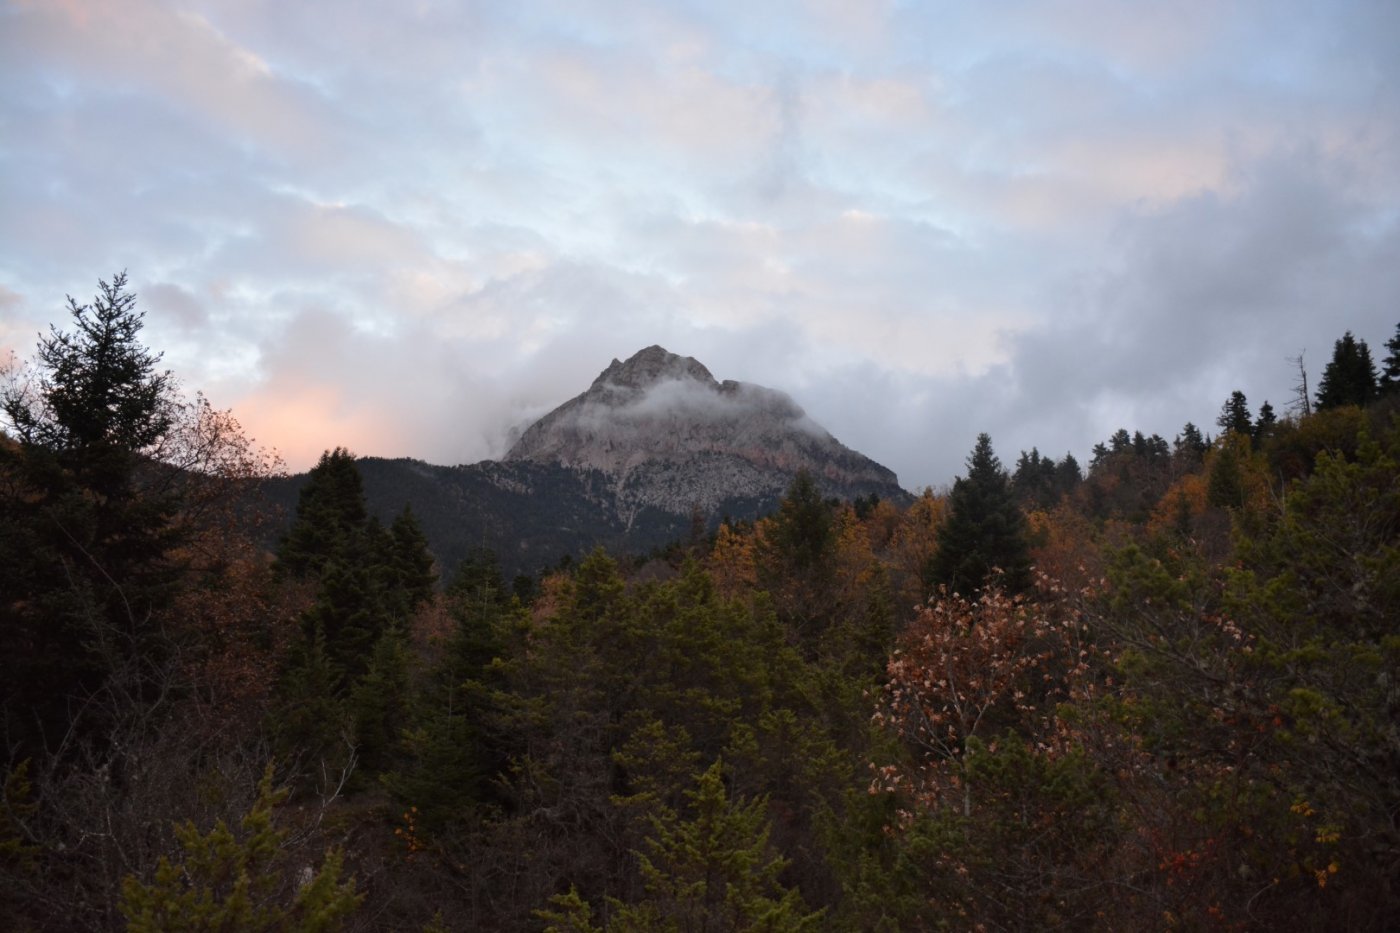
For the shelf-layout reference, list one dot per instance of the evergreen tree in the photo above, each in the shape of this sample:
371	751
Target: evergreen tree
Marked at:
714	871
1190	445
985	531
1264	426
236	881
802	529
1350	378
1225	487
87	545
1235	416
1067	475
413	577
1390	366
331	518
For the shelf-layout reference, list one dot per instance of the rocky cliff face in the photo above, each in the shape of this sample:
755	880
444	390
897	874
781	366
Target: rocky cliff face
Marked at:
667	435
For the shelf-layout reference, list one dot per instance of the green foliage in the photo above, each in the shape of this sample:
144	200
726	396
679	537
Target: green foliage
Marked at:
985	534
715	870
569	913
802	528
234	881
1225	488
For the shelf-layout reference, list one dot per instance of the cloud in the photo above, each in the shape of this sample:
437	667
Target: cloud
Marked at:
414	230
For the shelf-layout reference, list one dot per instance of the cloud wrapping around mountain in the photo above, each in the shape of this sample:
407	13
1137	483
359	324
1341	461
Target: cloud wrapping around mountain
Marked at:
414	230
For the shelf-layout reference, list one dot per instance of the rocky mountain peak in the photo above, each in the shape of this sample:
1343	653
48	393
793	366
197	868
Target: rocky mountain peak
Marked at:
669	436
650	366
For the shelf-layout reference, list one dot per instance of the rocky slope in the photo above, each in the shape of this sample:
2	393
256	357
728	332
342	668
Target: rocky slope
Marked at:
668	436
625	465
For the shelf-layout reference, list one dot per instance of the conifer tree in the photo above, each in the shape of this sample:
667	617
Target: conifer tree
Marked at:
330	520
802	529
228	881
714	871
1266	422
1390	366
985	531
87	546
1350	377
1235	416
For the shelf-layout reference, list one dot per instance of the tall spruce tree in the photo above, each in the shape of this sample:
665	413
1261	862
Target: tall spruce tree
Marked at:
985	531
85	549
1350	378
1235	416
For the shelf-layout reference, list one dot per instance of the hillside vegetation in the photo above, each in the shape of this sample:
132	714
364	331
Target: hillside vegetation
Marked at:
1161	693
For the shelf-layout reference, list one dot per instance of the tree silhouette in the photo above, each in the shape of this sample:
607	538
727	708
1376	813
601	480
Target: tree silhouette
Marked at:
985	532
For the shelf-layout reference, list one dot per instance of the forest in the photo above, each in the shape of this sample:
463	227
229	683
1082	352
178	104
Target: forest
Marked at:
1159	692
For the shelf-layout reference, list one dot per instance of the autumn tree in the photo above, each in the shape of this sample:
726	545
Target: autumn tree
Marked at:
985	532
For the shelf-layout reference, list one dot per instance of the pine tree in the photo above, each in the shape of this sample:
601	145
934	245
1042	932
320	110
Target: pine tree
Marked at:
230	881
714	871
985	531
1350	378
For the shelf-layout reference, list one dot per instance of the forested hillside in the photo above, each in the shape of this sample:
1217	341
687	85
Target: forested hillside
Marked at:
1159	693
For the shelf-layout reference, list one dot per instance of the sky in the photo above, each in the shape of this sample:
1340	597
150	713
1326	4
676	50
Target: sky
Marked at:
411	228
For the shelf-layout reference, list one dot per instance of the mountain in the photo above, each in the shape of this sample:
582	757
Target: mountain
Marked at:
654	442
668	435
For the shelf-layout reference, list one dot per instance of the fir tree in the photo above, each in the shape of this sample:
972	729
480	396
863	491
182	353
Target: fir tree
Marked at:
1390	366
985	531
1266	422
330	520
87	545
1350	378
1235	416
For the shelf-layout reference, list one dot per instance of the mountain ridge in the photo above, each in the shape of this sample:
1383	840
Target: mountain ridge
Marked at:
653	445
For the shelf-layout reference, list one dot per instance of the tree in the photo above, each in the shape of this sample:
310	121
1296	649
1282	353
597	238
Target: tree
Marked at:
985	531
1350	378
97	399
715	871
331	516
1190	447
87	545
1264	426
1234	415
229	882
1390	366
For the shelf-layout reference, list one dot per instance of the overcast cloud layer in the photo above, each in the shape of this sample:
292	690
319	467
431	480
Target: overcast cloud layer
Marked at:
410	227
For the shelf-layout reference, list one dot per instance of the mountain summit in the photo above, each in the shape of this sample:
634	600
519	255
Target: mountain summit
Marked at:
667	435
